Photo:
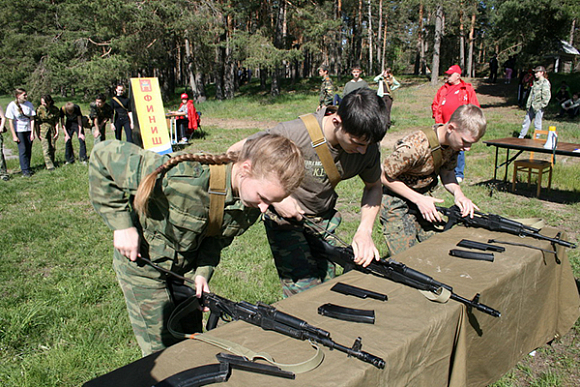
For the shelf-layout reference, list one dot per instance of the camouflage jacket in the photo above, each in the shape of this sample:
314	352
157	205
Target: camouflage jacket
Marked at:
326	92
539	95
178	208
412	163
103	113
47	116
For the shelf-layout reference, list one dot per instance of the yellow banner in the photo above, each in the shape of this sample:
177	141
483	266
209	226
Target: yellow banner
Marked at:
151	115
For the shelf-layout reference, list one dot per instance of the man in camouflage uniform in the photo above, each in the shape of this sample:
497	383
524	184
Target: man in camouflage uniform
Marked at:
99	113
327	89
48	117
352	135
410	174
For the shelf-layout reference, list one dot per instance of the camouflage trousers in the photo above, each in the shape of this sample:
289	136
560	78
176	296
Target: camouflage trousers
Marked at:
149	301
3	169
47	133
298	269
402	228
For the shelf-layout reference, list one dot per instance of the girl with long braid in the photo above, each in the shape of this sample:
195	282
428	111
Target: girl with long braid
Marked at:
20	114
159	207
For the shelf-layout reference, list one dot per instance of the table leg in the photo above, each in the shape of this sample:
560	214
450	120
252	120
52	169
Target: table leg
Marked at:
495	164
507	164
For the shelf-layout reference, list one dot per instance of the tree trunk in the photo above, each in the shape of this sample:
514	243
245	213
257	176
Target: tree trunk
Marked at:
571	38
229	68
420	56
470	67
437	45
200	83
358	35
461	40
189	69
383	64
380	56
370	32
219	74
279	37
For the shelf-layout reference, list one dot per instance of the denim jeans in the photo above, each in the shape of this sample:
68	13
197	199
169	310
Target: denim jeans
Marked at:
24	151
460	168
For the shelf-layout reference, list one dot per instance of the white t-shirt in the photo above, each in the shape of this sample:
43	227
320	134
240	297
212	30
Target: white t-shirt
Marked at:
21	121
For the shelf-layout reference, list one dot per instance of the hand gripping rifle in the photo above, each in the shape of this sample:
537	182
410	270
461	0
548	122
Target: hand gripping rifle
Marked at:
388	269
269	318
494	222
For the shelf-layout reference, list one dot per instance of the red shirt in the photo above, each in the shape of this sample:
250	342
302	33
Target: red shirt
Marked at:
450	97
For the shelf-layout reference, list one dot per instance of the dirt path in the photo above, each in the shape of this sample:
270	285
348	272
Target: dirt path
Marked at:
490	96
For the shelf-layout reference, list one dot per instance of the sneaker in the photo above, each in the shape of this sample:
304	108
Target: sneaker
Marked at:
459	179
5	178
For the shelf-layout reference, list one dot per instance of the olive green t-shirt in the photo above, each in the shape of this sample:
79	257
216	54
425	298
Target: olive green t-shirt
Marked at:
315	194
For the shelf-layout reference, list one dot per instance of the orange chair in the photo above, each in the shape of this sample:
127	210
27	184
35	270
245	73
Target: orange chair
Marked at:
533	166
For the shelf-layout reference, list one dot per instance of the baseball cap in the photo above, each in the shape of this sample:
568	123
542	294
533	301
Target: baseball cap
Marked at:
453	69
184	96
539	68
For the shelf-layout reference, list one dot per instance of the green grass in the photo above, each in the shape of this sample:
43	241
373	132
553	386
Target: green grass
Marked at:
62	314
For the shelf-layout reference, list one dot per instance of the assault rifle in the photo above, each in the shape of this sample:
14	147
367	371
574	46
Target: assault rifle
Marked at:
392	270
269	318
494	222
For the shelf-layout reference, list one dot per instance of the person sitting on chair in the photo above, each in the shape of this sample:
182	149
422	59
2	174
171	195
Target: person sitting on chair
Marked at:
188	121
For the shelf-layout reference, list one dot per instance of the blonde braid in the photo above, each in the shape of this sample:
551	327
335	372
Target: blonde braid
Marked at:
141	201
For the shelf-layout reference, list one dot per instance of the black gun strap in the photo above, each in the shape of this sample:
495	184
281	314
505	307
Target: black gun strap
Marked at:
192	304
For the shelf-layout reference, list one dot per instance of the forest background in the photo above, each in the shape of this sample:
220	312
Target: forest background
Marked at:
62	315
78	48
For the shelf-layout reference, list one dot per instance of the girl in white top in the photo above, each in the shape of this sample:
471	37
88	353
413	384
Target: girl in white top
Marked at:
20	114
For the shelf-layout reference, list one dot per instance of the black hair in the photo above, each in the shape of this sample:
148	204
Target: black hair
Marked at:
102	97
364	115
48	99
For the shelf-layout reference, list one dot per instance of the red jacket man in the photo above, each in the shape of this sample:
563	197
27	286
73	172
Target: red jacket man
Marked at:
451	95
454	93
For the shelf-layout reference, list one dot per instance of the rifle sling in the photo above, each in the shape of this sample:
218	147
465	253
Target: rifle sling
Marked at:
192	304
120	104
435	147
217	198
321	147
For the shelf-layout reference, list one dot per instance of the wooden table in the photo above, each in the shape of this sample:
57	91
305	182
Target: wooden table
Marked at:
423	343
528	145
